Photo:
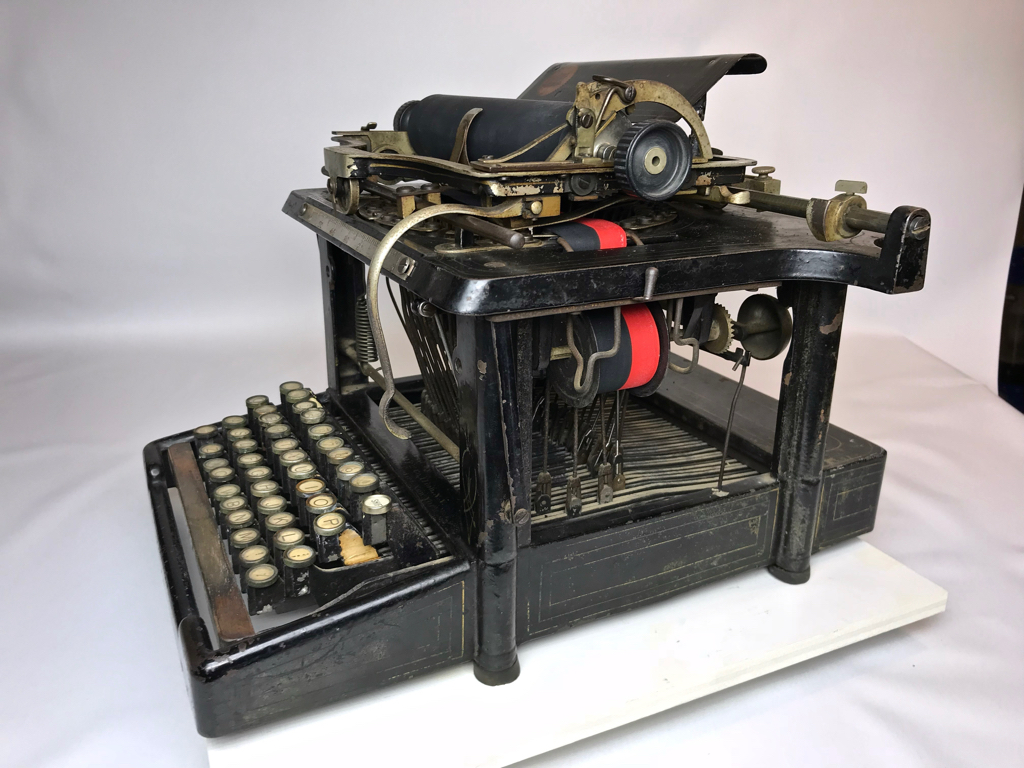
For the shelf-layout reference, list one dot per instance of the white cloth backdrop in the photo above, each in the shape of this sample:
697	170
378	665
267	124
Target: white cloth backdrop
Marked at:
145	151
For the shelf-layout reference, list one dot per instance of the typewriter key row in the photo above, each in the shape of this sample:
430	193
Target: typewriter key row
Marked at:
289	494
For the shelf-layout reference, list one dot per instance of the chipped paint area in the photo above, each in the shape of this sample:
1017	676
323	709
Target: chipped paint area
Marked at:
835	325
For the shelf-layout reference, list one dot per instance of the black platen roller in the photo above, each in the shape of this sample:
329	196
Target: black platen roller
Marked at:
502	127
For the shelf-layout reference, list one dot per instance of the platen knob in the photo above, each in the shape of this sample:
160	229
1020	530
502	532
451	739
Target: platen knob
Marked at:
652	159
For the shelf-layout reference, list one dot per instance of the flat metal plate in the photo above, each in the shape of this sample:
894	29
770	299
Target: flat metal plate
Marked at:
711	250
230	616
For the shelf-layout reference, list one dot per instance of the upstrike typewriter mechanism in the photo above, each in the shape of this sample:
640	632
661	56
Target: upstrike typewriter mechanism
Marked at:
555	461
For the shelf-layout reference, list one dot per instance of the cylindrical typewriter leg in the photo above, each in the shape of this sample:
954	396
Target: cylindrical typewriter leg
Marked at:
804	402
489	425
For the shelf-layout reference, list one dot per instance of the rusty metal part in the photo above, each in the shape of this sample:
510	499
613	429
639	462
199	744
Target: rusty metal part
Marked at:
346	194
462	137
855	218
523	149
499	234
827	218
230	616
721	331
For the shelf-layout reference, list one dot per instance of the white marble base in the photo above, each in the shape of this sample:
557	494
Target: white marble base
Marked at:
593	678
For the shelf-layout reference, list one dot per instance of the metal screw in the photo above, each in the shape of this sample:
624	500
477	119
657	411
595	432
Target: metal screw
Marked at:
521	517
918	226
536	207
405	265
305	208
764	171
586	118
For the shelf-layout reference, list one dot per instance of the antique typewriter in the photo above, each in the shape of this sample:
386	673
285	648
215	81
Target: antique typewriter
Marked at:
556	460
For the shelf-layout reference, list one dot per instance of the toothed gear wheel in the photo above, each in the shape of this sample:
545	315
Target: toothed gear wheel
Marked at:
720	319
652	159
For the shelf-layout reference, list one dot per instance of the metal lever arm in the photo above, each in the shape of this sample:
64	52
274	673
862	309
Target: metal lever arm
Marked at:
506	210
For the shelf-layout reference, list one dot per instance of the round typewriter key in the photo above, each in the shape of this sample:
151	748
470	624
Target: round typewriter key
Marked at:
257	554
232	504
375	519
244	537
264	487
247	461
301	470
287	387
361	486
239	540
295	396
268	506
205	433
285	539
318	432
263	410
274	427
286	461
327	444
244	447
340	456
255	422
232	422
211	464
305	489
345	473
278	521
319	505
284	445
306	405
322	450
312	416
280	445
240	518
296	472
256	474
263	588
327	529
238	433
210	451
309	487
295	573
227	507
255	401
220	476
224	492
252	556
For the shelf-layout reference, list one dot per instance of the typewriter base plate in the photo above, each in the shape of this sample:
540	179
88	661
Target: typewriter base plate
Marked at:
612	672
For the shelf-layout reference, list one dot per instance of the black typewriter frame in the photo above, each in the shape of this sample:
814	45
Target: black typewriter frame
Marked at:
488	594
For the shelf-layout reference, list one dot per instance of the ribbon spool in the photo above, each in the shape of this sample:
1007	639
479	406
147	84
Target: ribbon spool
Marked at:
639	366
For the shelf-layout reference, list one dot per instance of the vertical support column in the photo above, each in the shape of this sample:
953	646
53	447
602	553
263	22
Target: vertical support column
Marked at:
343	281
804	403
489	427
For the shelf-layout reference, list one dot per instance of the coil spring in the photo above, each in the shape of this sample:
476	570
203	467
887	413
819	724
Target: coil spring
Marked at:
366	349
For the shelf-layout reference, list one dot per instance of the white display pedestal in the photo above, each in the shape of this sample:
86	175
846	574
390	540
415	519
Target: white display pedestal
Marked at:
608	673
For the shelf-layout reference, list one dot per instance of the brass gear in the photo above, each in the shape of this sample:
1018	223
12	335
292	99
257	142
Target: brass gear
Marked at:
721	331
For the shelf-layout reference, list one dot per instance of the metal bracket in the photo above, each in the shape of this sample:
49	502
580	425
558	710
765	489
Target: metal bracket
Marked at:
588	376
